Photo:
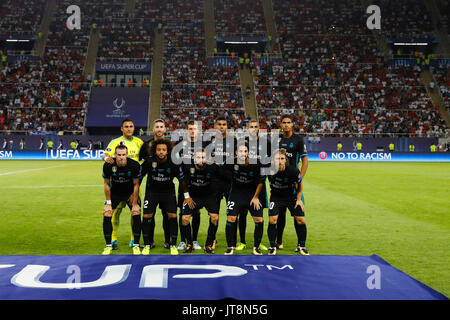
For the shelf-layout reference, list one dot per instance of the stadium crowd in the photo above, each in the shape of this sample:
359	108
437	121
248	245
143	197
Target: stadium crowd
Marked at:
239	17
336	80
397	23
191	88
331	75
21	16
126	40
442	77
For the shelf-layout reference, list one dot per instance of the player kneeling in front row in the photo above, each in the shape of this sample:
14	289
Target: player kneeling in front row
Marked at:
286	192
246	185
121	186
198	177
160	190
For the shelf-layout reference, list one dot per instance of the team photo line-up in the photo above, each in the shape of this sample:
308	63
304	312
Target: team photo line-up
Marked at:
223	166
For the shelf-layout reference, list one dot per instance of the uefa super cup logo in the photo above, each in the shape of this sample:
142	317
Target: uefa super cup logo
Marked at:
118	104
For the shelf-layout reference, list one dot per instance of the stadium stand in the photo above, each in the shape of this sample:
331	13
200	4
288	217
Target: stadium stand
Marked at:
444	9
442	77
21	16
239	17
126	40
396	25
330	71
335	79
191	88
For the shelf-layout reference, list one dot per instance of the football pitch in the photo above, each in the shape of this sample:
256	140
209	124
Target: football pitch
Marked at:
399	211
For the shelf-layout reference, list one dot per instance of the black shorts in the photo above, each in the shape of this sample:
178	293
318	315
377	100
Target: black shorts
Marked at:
236	204
209	203
116	201
180	199
167	202
221	189
278	205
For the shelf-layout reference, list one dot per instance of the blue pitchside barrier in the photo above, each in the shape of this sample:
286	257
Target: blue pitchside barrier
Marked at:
201	277
313	156
379	157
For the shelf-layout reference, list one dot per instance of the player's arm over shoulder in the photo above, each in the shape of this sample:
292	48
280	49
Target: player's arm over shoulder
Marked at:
138	141
111	148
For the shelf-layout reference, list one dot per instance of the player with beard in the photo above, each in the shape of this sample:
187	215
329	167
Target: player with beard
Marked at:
186	154
134	145
199	179
159	131
160	190
121	186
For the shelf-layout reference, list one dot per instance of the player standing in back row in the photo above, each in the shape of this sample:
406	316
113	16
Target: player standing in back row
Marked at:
297	155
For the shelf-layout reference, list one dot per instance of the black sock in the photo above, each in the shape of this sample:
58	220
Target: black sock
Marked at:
235	227
230	233
136	228
146	229
166	227
212	230
242	225
173	228
281	223
180	223
300	229
188	233
107	229
272	234
195	225
234	230
258	233
152	233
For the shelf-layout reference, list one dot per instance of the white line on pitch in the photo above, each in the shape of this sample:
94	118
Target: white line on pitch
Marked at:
28	170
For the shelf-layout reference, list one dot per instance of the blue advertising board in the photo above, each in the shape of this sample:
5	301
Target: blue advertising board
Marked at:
109	106
315	156
52	155
379	157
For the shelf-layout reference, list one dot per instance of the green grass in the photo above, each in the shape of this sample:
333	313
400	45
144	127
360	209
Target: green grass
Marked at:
399	211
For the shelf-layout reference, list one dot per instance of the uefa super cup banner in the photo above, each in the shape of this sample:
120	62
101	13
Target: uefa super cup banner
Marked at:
201	277
133	67
109	106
